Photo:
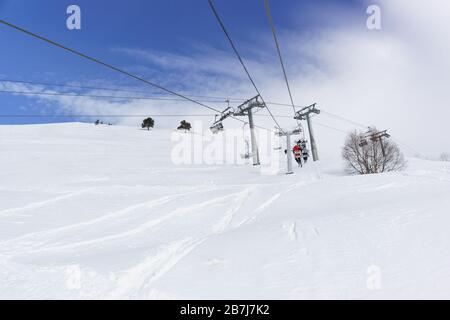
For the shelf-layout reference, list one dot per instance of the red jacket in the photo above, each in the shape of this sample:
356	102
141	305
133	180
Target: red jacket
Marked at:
296	149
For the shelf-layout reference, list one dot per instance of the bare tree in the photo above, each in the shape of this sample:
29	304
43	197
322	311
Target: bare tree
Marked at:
365	154
444	157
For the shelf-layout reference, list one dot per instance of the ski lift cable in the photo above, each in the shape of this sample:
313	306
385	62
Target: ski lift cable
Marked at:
62	115
69	94
219	20
160	115
365	126
277	44
218	99
327	126
344	119
115	115
330	127
146	81
109	66
73	86
138	97
80	54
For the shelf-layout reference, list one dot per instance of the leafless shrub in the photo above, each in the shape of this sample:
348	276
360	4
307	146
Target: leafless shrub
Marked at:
365	155
444	157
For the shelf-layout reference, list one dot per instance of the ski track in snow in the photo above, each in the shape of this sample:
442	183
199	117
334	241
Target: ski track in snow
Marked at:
229	214
272	200
143	275
33	246
137	280
34	237
267	203
40	204
291	228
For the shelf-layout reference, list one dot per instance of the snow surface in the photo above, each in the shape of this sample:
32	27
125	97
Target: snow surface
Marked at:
102	212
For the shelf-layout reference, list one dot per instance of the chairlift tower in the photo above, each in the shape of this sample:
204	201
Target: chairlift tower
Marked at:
305	114
246	109
376	136
288	134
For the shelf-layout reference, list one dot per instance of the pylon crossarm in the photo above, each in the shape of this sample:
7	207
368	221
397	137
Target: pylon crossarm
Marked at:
303	113
242	109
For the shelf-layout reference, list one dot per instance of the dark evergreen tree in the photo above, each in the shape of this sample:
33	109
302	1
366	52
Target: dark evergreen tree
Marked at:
184	125
148	123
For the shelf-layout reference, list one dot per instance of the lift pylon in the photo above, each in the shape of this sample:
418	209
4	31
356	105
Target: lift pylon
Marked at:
305	114
288	134
244	109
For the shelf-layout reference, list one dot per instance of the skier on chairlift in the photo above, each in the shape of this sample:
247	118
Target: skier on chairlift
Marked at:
297	154
304	149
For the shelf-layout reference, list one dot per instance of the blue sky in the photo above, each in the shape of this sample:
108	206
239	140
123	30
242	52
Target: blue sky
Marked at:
164	27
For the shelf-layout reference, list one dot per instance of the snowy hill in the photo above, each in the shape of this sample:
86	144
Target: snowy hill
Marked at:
102	212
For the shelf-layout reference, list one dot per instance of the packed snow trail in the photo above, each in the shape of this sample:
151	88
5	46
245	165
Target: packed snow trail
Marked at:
102	212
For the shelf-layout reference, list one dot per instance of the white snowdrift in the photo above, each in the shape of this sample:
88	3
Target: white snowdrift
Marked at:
101	212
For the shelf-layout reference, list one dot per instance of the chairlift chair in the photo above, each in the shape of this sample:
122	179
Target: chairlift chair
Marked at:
217	127
363	142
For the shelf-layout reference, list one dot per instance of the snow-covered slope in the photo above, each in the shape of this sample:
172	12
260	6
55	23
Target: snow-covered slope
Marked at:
101	212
